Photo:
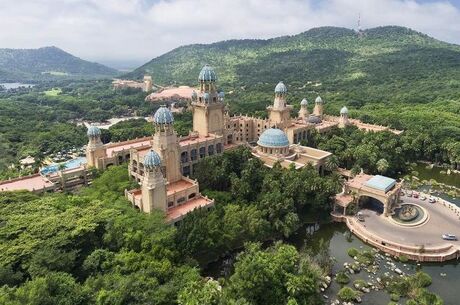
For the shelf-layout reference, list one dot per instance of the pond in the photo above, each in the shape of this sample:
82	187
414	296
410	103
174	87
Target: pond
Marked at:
426	173
336	239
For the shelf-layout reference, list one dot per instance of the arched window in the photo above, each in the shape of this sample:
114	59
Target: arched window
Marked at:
211	150
219	148
202	152
184	156
193	154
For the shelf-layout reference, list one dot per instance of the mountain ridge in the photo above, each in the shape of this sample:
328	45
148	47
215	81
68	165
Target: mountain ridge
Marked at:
47	63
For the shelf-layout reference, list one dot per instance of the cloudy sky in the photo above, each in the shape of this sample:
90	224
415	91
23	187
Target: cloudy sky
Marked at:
138	30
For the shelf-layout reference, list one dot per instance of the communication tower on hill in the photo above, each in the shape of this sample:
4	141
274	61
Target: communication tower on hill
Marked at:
360	31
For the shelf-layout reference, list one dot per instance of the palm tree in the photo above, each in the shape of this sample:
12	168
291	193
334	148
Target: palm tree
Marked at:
331	163
382	166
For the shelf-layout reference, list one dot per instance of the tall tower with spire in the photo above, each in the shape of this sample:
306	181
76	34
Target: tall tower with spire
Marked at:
343	121
166	143
319	107
153	184
95	150
303	112
208	105
280	113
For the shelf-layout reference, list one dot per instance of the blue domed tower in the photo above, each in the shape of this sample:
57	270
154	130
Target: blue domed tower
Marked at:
153	184
280	113
208	106
273	141
166	143
95	150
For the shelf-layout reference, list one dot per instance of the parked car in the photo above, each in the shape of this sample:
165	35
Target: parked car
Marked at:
415	195
422	197
360	216
432	200
448	236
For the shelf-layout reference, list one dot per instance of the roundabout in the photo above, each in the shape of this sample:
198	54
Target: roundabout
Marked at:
409	214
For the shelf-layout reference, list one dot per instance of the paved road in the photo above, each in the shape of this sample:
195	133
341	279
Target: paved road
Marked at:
442	220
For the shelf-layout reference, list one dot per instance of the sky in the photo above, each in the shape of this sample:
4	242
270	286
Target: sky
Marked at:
135	31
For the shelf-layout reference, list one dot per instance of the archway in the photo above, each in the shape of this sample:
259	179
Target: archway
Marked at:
371	203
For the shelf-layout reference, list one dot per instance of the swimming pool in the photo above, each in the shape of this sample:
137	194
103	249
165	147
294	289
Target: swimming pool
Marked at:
74	163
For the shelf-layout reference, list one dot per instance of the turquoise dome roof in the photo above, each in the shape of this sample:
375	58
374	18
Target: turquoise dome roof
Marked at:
273	137
152	159
319	100
280	88
206	96
221	94
304	102
163	116
207	74
344	110
194	95
93	131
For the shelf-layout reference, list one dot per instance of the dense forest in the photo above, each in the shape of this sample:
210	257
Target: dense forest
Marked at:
94	248
48	63
33	122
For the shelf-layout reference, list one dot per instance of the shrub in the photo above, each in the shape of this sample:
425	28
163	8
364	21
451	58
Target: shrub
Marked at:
421	279
403	259
360	283
394	297
347	294
342	278
352	252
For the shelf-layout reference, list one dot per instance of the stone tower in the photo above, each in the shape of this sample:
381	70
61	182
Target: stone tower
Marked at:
280	113
303	112
207	105
343	121
95	150
166	143
153	184
319	107
148	83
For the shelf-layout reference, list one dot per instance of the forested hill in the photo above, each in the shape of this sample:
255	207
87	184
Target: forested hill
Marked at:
47	63
383	64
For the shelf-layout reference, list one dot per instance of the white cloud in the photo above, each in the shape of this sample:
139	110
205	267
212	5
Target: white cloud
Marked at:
141	29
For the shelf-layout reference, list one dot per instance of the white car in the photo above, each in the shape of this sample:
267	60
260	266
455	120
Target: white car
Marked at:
448	236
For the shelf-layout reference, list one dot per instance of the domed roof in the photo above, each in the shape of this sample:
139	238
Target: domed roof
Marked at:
152	159
163	116
280	88
304	102
207	74
344	110
221	94
273	137
93	131
319	100
314	119
194	95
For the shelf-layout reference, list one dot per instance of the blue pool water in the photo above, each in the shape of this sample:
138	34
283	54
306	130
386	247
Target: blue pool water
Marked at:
74	163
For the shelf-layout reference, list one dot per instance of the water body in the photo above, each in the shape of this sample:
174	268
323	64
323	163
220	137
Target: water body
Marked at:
9	86
426	173
337	239
70	164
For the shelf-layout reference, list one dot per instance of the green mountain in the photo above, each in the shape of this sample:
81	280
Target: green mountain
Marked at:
384	75
47	63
